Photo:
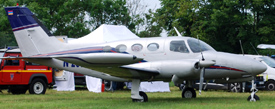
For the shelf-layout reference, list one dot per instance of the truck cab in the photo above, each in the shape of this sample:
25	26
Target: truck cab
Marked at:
18	76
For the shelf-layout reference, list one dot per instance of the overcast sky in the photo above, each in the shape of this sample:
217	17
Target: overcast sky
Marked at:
152	4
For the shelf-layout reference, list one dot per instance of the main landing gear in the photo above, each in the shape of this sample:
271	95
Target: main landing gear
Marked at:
139	96
188	93
136	95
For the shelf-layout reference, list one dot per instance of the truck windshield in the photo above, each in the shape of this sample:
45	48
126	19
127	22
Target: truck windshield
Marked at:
269	61
1	55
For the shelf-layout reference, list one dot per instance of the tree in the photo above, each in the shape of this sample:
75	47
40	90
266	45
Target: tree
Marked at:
6	34
112	12
61	17
220	23
151	28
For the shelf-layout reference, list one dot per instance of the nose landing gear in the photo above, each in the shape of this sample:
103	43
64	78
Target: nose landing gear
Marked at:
253	96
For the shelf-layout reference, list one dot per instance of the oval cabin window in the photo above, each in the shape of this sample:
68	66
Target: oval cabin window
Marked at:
153	47
121	48
136	47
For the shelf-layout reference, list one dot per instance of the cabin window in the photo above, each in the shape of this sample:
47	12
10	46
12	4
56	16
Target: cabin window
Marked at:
153	47
121	48
178	46
136	47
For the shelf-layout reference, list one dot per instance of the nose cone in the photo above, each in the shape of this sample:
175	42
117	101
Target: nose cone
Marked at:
258	68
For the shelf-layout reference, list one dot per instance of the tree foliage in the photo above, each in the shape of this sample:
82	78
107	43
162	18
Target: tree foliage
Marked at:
112	12
221	23
6	34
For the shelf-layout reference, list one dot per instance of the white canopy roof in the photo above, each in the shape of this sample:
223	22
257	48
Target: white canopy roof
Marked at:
106	33
266	46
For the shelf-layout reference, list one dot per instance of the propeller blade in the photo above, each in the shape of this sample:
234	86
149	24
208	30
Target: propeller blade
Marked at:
201	79
203	64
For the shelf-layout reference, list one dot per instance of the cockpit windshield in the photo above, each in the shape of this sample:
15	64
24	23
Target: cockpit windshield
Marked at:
269	61
195	44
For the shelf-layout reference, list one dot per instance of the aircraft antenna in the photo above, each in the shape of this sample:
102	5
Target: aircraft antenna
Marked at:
241	46
254	48
177	32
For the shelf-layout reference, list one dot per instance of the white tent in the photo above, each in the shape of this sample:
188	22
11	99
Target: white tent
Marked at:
106	33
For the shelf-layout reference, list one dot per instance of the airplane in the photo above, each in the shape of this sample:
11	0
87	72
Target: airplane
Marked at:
136	59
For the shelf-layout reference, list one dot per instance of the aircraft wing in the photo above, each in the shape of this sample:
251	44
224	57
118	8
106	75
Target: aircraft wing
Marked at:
25	58
99	58
266	46
141	72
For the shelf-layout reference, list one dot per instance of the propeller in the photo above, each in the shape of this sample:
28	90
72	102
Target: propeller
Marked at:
203	64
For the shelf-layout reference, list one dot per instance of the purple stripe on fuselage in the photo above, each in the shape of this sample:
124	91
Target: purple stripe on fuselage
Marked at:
25	27
225	68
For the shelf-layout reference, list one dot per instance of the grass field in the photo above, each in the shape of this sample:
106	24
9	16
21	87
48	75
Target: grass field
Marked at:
121	100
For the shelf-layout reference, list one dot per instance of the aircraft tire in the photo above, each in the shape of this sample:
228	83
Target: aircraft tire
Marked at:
37	86
108	85
255	97
188	93
270	85
142	94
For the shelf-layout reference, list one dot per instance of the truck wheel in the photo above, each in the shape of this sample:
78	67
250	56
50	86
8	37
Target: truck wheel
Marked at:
270	85
235	87
37	86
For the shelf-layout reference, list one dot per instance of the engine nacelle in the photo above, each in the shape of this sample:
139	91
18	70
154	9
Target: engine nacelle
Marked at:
183	69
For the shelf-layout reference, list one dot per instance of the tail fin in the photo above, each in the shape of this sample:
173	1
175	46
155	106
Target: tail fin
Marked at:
32	37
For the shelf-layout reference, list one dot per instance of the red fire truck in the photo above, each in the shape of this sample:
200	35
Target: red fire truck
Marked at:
18	76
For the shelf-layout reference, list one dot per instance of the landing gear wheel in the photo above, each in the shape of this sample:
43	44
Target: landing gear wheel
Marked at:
188	93
143	95
255	97
235	87
270	85
108	85
37	86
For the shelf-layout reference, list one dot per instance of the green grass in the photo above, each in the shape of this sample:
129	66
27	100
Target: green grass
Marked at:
121	100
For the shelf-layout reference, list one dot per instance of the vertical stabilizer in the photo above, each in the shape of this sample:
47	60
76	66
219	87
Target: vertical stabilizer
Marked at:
32	37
